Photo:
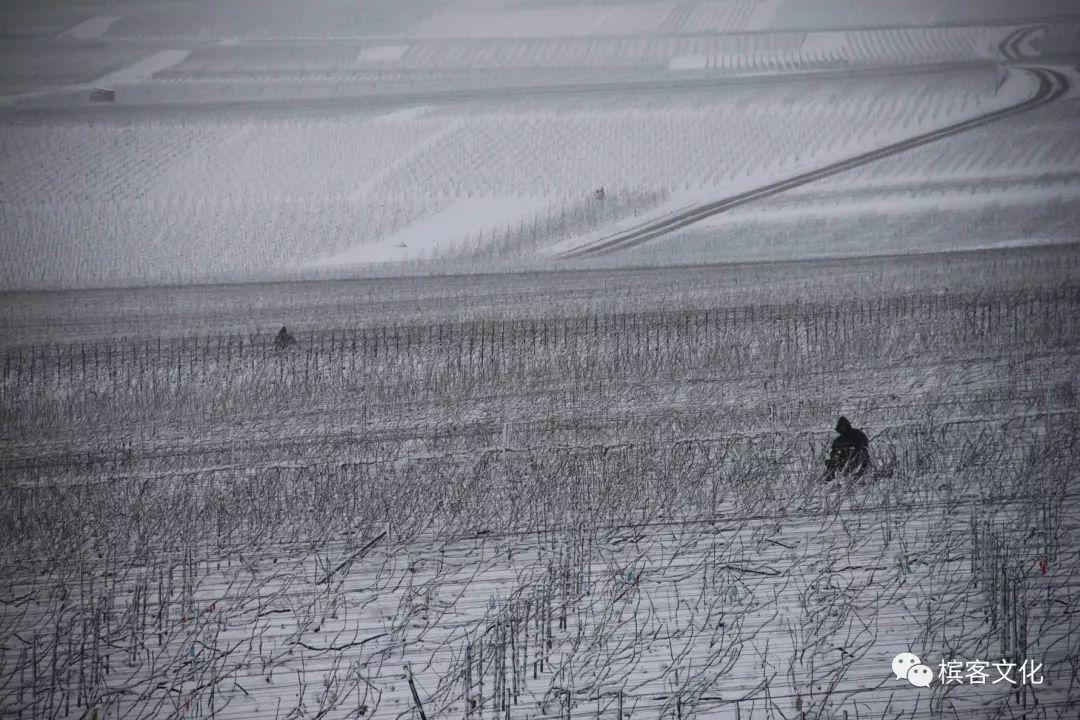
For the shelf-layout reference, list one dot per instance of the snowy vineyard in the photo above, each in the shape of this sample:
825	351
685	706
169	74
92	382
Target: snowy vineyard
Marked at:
585	516
58	385
216	199
487	469
189	598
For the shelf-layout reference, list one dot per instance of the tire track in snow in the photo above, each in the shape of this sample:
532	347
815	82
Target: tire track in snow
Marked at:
1052	85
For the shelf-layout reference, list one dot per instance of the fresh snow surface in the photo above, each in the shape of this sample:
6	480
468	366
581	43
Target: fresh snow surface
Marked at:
144	69
689	62
406	114
408	156
825	43
382	54
441	232
91	29
480	21
762	19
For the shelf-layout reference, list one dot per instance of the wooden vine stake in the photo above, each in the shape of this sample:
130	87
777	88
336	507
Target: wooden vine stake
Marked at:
415	695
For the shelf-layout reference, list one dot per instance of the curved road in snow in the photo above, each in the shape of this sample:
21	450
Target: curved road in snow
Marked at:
1010	46
1052	85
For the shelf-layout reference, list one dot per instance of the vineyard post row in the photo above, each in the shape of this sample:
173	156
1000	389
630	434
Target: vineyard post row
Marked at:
481	341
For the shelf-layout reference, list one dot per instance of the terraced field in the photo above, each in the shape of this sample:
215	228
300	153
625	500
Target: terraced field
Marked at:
223	197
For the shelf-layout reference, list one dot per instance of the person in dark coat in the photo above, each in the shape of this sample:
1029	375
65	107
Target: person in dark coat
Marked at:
284	339
850	454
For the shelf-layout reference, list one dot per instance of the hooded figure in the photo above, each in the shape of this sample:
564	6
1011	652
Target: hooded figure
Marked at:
284	339
850	453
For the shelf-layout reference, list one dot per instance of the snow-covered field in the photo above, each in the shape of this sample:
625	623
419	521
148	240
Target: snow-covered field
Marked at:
497	478
223	197
443	234
606	513
282	142
478	19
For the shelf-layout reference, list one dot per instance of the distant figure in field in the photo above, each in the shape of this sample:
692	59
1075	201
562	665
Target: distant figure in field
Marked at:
284	339
850	454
